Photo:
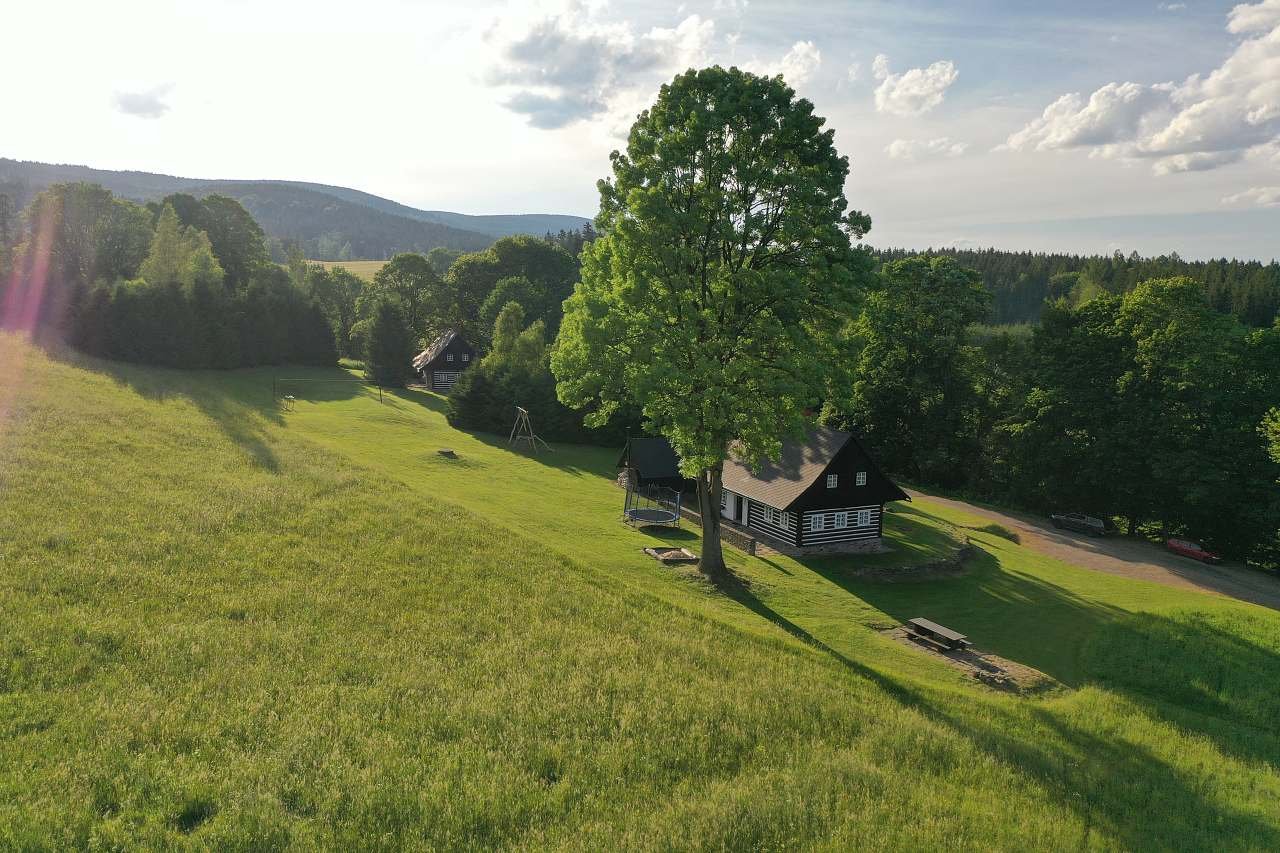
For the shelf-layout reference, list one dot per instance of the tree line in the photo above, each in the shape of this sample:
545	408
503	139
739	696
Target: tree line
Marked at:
729	303
1021	283
1149	406
506	301
182	282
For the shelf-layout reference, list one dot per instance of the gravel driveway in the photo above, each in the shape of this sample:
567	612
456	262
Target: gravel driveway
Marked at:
1128	558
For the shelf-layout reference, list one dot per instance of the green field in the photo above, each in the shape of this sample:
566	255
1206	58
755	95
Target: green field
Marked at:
223	626
365	269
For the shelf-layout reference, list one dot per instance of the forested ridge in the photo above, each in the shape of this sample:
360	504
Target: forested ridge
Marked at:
1021	283
324	222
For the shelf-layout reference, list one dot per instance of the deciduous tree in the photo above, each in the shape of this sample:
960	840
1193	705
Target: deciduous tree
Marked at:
715	298
913	394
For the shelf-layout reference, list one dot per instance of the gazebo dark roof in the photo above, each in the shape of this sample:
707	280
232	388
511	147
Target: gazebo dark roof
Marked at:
652	458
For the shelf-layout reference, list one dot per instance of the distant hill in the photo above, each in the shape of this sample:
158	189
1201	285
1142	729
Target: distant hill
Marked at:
330	222
497	225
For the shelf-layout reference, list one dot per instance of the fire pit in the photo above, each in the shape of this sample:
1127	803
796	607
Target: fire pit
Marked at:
672	555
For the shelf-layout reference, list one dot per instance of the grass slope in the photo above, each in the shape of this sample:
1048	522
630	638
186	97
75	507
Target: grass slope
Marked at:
223	626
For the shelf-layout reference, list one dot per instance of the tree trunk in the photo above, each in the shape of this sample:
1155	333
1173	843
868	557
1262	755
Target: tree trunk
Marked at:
712	562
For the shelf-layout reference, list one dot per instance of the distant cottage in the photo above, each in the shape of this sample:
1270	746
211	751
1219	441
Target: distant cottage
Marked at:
824	493
442	363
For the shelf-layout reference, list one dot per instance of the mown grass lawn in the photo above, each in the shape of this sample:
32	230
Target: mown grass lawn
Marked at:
227	626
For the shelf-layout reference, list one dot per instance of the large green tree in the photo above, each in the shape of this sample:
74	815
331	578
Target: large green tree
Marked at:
715	300
236	238
88	233
913	395
537	274
409	281
336	290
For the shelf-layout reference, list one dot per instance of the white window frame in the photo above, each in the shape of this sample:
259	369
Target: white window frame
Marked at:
833	480
864	518
860	479
818	521
842	520
776	517
466	356
449	357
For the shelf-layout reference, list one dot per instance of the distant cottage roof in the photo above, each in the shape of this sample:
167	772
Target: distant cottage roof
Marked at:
432	352
779	484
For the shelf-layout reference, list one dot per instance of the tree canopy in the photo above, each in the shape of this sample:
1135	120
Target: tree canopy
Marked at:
716	299
912	395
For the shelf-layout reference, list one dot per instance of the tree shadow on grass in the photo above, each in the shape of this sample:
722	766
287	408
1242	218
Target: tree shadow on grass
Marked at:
1213	673
735	588
665	533
1186	668
1023	618
242	404
1118	788
1111	783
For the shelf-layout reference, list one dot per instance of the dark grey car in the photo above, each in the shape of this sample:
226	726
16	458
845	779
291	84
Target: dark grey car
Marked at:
1082	523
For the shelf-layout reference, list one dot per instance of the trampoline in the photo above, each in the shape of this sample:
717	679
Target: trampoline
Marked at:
650	516
650	504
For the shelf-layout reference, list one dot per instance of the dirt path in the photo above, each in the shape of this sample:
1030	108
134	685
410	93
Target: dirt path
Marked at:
1128	558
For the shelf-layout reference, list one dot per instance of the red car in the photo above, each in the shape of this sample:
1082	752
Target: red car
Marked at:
1194	550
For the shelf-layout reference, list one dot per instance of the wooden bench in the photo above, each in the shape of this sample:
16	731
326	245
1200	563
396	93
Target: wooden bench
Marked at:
938	635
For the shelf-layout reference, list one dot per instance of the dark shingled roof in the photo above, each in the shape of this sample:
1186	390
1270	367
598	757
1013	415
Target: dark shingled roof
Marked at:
432	352
652	458
779	484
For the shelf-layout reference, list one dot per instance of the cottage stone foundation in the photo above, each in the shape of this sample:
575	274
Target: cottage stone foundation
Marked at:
769	545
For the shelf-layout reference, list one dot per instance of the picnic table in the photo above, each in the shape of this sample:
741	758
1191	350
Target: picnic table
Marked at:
937	634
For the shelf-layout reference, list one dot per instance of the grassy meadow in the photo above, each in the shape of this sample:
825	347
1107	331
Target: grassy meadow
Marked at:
225	626
364	269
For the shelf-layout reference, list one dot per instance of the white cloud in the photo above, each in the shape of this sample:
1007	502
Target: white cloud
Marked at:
1204	122
854	73
913	92
1254	17
1261	196
1171	7
798	64
912	149
569	64
1111	115
149	103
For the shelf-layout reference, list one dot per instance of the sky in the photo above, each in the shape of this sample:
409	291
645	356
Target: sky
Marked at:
1086	126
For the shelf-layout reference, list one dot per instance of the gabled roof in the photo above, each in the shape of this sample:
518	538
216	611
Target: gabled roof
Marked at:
652	458
432	352
780	484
